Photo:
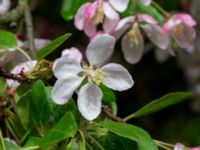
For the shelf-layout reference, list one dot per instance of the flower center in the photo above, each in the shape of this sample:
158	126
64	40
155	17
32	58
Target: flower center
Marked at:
94	75
178	30
99	16
134	35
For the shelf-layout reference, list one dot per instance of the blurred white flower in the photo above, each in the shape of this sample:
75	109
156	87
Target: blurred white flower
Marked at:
4	6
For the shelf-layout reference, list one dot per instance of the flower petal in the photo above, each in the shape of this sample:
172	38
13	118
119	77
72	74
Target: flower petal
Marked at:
110	12
119	5
185	37
123	26
79	18
156	35
133	47
4	6
22	67
146	2
89	29
146	18
89	101
118	78
64	89
74	52
179	146
66	66
100	49
186	19
110	25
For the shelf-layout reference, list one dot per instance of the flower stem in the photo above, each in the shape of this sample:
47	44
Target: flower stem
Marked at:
1	140
156	5
164	143
25	54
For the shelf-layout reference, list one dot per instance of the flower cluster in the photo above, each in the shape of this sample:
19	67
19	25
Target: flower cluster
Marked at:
178	27
179	146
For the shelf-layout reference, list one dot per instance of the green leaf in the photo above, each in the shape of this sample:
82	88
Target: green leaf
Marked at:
10	146
65	128
3	86
39	104
113	142
49	48
141	137
23	110
152	11
7	39
108	94
70	7
163	102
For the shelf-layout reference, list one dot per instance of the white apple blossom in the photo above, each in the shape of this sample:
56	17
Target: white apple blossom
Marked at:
70	73
179	146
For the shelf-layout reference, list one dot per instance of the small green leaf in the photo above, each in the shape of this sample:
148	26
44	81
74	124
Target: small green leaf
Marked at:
39	104
108	94
49	48
70	7
65	128
7	39
10	145
163	102
23	110
152	11
3	86
141	137
113	142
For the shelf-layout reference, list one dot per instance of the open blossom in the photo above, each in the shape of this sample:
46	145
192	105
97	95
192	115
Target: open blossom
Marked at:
70	71
121	5
181	27
90	15
4	6
133	41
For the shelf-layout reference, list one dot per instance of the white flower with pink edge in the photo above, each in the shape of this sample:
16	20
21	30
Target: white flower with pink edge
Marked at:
133	41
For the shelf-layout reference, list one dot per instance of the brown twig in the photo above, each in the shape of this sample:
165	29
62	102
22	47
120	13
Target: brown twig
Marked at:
106	110
20	77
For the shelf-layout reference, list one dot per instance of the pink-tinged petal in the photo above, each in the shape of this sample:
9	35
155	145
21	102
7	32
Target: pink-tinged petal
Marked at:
23	67
170	24
146	18
64	89
4	6
110	12
118	77
184	35
90	10
40	43
186	19
195	148
133	46
89	29
123	26
157	35
110	25
146	2
79	18
66	66
119	5
89	101
179	146
74	52
100	49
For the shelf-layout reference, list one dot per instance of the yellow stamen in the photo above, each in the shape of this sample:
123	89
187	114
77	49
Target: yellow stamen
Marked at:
99	16
134	35
94	75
